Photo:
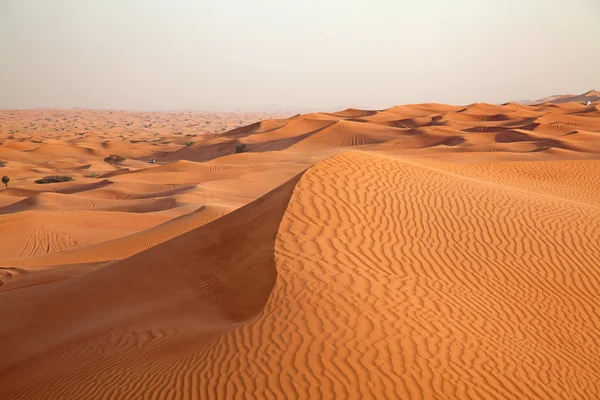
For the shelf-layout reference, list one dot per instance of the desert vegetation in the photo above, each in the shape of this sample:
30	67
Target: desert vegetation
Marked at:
54	179
114	159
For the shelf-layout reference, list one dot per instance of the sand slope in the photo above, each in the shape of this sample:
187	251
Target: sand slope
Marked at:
394	278
54	142
422	251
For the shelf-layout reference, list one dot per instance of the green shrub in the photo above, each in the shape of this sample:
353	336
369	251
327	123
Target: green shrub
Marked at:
191	142
114	159
241	148
54	179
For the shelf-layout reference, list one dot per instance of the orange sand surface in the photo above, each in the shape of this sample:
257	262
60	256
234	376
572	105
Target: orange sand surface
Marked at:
423	251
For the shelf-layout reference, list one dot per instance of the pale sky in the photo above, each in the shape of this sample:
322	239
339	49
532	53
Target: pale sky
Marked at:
249	54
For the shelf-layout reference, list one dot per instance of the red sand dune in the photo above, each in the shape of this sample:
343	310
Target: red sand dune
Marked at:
424	251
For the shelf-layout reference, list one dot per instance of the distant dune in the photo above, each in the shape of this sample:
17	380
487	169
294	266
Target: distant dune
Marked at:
422	251
591	96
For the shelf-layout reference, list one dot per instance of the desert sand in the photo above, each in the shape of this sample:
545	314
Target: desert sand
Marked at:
423	251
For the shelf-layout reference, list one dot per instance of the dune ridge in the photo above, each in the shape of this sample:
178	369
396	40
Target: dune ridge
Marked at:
204	279
388	281
422	251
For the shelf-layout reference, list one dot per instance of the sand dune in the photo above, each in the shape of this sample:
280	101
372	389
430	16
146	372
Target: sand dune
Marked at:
423	251
81	258
592	96
29	233
50	201
396	279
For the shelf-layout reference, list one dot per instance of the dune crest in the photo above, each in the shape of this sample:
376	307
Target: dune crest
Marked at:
421	251
382	276
185	290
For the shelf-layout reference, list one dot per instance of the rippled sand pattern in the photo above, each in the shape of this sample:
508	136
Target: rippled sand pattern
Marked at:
424	251
402	281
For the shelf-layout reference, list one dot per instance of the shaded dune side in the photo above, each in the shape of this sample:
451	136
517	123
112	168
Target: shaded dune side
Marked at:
123	247
52	201
180	292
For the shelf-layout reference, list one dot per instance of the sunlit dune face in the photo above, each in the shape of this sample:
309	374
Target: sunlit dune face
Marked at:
422	251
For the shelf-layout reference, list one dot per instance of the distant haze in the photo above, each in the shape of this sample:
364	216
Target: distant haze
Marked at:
278	54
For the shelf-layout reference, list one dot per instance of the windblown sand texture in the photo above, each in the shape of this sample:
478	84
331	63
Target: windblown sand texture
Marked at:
424	251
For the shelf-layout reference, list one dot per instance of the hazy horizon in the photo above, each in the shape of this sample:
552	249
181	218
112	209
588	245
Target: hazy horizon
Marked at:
237	56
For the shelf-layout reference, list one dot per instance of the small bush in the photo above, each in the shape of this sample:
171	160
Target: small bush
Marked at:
114	159
54	179
191	142
93	175
241	148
